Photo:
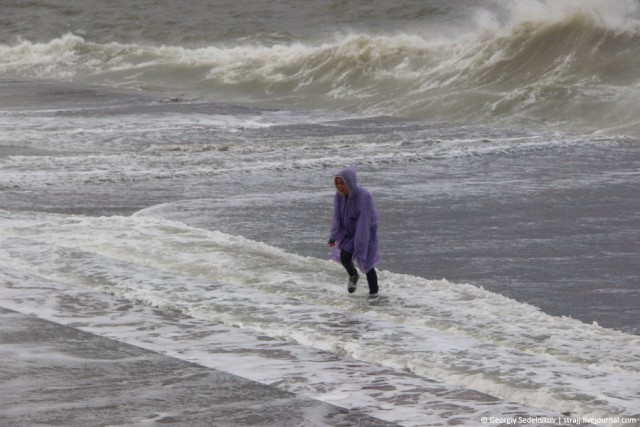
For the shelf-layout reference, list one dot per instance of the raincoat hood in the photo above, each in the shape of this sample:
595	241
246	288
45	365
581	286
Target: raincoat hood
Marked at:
348	175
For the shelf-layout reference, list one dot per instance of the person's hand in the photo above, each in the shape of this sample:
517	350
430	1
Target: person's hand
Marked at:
332	243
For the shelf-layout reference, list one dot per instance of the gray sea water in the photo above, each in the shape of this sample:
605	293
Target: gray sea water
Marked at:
182	156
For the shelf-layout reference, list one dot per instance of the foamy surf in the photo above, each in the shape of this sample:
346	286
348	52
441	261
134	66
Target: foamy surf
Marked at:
459	335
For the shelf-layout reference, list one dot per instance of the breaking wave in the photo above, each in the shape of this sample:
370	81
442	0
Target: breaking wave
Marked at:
566	64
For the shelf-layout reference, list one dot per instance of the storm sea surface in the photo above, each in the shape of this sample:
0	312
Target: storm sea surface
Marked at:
166	180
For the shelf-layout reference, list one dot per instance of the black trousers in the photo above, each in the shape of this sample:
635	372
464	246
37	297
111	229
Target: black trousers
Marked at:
346	258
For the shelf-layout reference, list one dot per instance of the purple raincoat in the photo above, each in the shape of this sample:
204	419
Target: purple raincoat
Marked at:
355	223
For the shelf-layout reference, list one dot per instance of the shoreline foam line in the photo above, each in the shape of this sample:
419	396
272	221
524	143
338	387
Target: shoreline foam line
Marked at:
436	329
380	392
59	374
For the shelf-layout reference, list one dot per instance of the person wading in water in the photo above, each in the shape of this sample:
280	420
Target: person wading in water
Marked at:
354	231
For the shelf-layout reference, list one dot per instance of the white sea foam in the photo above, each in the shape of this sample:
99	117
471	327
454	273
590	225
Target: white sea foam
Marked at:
455	333
619	15
382	392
